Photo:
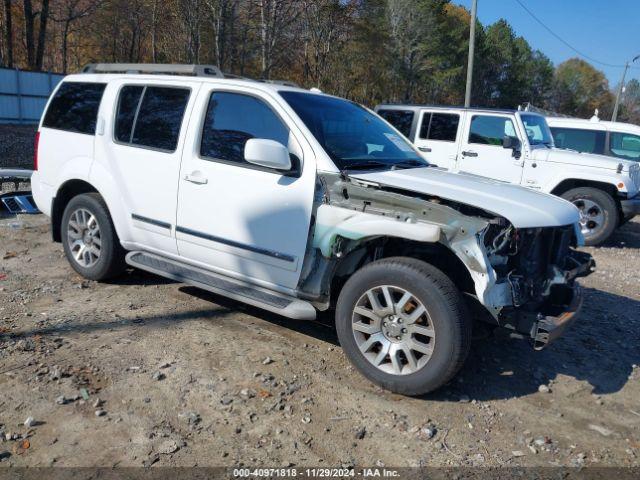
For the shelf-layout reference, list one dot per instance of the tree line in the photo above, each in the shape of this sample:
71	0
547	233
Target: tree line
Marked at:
371	51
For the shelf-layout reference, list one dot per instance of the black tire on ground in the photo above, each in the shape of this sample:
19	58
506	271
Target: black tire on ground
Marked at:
446	309
110	262
604	202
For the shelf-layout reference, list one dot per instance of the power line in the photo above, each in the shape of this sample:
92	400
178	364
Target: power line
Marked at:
582	54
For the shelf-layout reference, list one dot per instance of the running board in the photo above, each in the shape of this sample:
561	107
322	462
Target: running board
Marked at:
259	297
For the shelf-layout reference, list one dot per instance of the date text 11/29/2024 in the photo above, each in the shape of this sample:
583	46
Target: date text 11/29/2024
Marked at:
291	472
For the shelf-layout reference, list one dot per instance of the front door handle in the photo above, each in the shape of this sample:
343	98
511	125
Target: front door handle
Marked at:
196	177
469	153
424	149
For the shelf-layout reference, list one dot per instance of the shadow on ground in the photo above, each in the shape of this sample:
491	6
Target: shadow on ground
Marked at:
627	236
600	348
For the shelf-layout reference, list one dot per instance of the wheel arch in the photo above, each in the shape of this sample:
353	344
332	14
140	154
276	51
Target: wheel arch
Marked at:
608	188
68	190
373	249
571	183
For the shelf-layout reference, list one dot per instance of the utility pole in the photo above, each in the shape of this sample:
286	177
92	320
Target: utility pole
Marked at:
472	45
614	117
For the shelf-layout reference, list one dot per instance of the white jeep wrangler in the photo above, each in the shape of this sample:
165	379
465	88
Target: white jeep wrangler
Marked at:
517	147
298	202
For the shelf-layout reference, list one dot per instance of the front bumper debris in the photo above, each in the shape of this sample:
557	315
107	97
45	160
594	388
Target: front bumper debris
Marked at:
548	323
550	327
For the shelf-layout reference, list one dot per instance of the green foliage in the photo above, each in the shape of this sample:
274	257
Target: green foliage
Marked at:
630	103
371	51
579	89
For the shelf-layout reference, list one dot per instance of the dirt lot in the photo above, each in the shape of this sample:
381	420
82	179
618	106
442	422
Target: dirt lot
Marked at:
144	371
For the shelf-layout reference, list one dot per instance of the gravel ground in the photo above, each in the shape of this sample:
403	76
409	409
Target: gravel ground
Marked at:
16	147
143	371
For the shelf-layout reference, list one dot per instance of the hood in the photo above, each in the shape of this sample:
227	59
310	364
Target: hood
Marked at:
523	207
571	157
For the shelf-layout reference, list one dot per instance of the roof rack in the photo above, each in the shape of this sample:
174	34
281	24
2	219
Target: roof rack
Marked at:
284	83
174	69
171	69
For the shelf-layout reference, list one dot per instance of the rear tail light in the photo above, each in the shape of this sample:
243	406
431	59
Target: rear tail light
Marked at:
36	141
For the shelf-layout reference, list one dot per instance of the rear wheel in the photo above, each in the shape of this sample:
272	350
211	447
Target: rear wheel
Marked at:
404	325
598	213
89	238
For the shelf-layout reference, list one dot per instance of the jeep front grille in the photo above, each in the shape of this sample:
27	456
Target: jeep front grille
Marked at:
634	174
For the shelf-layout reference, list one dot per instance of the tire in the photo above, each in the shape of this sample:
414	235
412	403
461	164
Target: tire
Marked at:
598	212
89	238
446	320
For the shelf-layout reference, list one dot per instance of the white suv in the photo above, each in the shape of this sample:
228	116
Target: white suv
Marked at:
298	202
614	139
517	147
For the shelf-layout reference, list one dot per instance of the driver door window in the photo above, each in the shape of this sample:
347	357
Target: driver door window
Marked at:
625	145
483	153
487	130
231	120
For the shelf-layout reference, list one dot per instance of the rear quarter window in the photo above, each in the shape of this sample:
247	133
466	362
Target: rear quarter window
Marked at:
74	107
401	119
440	126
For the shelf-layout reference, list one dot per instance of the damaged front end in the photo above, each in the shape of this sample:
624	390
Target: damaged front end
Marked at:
536	269
524	277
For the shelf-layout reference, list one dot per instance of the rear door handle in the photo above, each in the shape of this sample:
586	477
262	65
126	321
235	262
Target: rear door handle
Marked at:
196	177
424	149
469	153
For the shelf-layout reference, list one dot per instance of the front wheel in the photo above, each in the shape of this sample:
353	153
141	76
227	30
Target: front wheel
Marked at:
404	325
598	213
89	238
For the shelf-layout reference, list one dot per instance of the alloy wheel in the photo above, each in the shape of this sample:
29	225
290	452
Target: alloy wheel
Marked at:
83	234
393	330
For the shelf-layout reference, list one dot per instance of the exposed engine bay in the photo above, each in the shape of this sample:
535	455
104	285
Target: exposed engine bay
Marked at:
522	276
535	260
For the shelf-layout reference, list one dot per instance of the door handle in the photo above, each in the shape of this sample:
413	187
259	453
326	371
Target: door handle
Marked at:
469	153
196	178
424	149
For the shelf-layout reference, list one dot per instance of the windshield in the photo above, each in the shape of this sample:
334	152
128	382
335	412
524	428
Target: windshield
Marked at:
537	129
351	135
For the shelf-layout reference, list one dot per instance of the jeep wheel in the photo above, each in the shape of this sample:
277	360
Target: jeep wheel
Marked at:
598	213
404	325
89	239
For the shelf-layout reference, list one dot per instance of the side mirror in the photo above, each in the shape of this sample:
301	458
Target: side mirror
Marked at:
267	153
511	142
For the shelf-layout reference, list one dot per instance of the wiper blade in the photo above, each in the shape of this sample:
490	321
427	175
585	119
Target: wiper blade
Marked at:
411	164
367	165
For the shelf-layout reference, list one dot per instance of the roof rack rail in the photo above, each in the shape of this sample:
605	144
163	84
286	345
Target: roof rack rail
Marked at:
171	69
285	83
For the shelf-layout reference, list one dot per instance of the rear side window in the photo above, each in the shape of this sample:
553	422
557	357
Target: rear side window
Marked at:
234	118
150	116
587	141
625	145
490	130
74	107
401	119
440	126
127	108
